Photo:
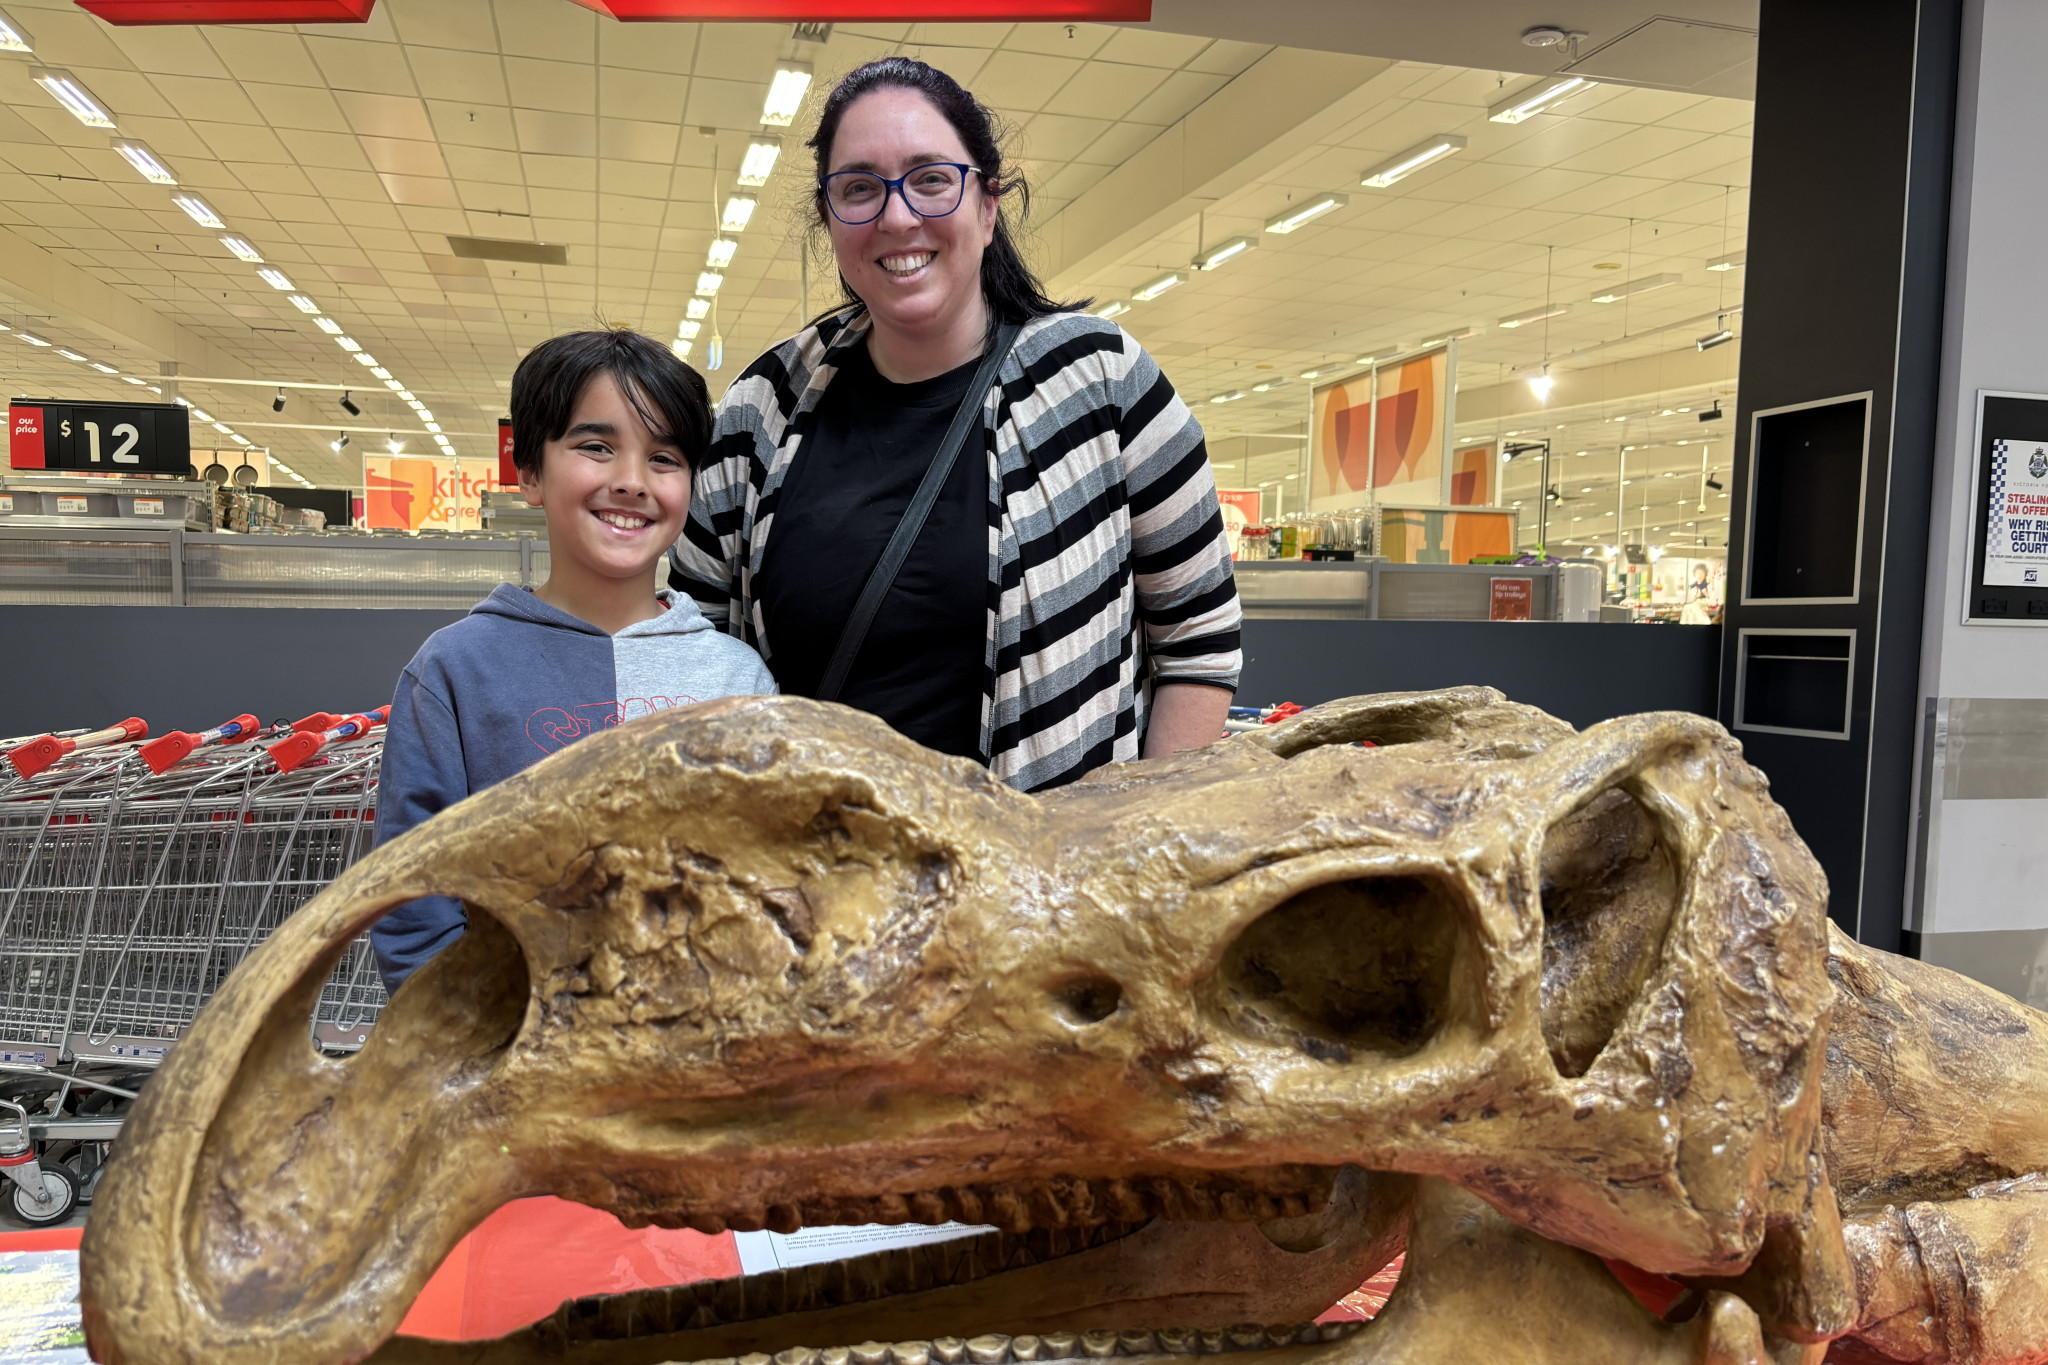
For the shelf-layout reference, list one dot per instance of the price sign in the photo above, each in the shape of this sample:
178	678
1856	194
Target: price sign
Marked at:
1511	599
99	438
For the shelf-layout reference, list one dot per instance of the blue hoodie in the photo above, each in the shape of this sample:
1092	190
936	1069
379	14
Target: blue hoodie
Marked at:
508	685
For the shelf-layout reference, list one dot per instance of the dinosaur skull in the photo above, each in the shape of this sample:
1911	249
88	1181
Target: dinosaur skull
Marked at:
763	963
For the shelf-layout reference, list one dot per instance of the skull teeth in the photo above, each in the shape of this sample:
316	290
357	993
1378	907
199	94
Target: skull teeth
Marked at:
1023	1206
997	1349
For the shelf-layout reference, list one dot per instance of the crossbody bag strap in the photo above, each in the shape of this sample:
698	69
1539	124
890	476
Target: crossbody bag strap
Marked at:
869	603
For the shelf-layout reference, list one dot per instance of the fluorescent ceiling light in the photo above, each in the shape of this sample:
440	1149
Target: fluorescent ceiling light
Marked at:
721	252
759	162
681	348
32	339
1533	99
133	380
425	414
202	414
1314	208
434	427
249	255
104	369
394	385
1224	251
697	310
708	282
13	37
196	209
75	98
72	355
146	163
1540	384
1462	334
1115	308
415	404
276	280
786	92
1414	159
220	428
1534	315
1230	397
739	211
1147	292
1730	261
328	325
688	330
1267	385
347	343
382	374
1634	287
304	304
366	359
406	394
243	440
1310	374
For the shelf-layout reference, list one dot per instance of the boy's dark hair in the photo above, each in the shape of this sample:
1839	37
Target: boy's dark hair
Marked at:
1013	292
669	396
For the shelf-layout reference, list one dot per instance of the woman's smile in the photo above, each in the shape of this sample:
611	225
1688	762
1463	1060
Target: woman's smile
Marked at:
904	264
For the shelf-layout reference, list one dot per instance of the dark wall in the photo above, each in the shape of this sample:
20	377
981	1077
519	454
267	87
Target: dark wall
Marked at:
1578	673
187	668
1847	252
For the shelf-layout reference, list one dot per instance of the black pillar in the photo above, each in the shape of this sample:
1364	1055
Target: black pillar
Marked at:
1835	429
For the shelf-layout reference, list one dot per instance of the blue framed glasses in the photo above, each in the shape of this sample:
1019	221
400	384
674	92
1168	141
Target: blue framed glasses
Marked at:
932	190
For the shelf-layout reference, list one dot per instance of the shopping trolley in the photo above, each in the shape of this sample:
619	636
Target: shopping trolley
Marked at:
134	878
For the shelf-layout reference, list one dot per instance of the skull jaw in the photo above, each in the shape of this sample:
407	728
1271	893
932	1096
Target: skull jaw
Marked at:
1476	1287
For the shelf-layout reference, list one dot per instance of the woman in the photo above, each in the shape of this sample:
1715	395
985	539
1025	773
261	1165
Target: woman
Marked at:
1072	560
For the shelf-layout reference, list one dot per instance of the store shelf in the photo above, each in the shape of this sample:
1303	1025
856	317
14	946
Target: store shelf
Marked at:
1375	589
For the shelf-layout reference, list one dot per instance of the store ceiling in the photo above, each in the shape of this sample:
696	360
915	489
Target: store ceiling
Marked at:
348	156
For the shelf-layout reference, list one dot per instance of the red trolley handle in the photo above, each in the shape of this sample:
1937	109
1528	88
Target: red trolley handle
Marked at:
39	753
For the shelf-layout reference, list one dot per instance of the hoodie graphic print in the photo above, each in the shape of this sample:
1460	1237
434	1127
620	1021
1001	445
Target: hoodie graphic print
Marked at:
506	686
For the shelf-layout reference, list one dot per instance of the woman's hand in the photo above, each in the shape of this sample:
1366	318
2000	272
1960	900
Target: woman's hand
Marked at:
1184	716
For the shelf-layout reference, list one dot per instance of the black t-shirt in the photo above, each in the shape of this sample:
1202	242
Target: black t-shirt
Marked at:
921	666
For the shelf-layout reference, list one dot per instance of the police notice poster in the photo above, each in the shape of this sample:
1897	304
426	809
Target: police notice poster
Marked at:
2016	525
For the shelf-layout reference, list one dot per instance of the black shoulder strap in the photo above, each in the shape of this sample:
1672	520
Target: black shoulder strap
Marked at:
965	419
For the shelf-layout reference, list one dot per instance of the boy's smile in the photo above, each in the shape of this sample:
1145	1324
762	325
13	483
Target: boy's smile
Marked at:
616	494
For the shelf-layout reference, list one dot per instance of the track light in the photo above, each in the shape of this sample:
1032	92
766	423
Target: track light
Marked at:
1716	338
277	403
1712	414
397	447
348	404
338	443
1715	483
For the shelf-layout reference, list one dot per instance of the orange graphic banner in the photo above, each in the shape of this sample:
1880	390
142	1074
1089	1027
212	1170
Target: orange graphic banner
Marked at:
423	493
1380	435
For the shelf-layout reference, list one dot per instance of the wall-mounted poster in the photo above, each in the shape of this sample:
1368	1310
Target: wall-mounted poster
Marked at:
1472	477
1445	535
2009	518
1380	436
1240	509
423	493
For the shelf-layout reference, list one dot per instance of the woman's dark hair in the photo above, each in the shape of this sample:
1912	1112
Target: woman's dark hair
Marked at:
669	396
1013	292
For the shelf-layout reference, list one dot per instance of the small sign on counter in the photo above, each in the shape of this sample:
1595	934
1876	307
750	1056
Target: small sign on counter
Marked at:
1511	599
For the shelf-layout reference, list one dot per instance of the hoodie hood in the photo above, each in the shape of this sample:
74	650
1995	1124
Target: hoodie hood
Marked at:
524	605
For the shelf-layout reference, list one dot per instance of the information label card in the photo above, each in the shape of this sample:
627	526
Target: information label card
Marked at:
2016	519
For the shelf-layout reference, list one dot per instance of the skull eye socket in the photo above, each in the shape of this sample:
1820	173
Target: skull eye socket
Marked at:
1090	1000
1361	965
1610	893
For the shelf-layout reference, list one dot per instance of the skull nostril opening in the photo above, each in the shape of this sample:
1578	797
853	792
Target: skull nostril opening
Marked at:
1363	965
1089	1000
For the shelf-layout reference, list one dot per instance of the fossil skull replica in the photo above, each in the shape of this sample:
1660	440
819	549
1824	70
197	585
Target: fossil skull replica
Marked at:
1206	1040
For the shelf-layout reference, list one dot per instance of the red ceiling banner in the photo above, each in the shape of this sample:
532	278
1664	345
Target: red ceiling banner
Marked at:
897	11
130	12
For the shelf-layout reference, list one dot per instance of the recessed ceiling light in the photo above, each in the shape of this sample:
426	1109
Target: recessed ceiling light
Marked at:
394	385
76	99
13	37
382	373
721	253
786	90
347	343
244	252
406	394
276	280
304	304
425	414
364	358
739	211
1422	154
433	427
1224	251
328	325
71	355
196	209
708	282
759	161
1152	289
1534	99
1308	212
697	310
688	330
146	163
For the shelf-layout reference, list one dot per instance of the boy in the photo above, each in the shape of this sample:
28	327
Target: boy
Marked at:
607	430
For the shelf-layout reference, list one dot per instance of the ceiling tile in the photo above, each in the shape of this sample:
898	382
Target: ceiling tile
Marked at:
382	115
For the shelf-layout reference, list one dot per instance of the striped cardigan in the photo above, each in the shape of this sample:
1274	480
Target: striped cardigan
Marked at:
1108	570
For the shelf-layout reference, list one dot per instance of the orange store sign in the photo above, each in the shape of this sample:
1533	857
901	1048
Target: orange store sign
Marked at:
423	493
